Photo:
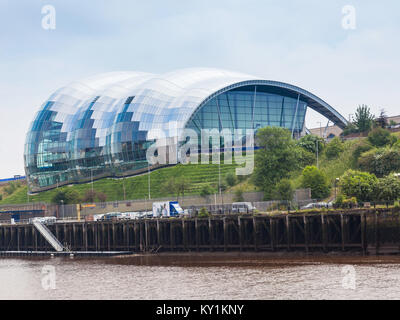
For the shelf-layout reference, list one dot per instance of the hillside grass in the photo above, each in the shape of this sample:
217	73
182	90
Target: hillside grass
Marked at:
136	187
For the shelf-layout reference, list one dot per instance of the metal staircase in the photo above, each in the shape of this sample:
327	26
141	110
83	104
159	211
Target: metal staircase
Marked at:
46	233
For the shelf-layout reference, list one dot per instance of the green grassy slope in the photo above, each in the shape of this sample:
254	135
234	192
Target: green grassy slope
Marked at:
136	187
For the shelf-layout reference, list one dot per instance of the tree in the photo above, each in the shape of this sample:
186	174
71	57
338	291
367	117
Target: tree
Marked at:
89	196
379	137
349	129
284	190
182	185
309	143
66	197
231	179
102	196
382	121
317	181
275	160
177	186
361	185
206	190
380	162
334	148
238	195
388	188
364	119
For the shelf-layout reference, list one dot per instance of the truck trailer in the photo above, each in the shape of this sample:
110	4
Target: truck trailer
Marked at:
167	209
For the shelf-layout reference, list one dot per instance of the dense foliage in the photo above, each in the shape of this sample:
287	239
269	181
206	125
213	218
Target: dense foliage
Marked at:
278	157
361	185
380	162
334	148
317	181
310	143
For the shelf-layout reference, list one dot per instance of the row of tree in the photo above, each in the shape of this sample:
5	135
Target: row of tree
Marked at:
365	121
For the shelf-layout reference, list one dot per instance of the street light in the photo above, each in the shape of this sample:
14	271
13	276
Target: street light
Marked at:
336	182
62	208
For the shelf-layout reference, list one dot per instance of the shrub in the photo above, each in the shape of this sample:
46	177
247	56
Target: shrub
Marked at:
206	190
309	143
361	185
67	196
10	188
362	147
89	196
317	181
231	179
388	188
349	203
203	213
238	195
380	162
284	190
379	137
334	148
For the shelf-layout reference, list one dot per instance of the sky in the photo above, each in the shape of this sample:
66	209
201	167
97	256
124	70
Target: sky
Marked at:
303	43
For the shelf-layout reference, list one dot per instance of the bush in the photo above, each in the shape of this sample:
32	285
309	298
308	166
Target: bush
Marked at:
334	148
238	195
309	143
284	190
206	190
1	197
361	148
380	162
67	196
231	179
361	185
317	181
349	203
10	188
388	188
379	137
203	213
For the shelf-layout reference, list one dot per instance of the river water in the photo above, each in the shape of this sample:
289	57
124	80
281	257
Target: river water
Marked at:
201	276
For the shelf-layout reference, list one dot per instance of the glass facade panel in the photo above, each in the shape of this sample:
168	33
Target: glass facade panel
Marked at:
98	127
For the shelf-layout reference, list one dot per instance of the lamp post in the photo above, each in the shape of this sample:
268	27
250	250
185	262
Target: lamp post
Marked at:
148	179
62	208
336	182
91	178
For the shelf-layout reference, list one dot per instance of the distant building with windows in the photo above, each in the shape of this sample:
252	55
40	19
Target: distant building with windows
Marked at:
329	132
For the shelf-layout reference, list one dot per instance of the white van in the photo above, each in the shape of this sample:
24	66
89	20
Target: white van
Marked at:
242	207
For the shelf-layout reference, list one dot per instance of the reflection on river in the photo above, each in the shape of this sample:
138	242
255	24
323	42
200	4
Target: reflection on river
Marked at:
202	276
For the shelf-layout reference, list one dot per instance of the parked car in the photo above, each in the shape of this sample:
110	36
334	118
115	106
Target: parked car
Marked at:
110	216
318	205
242	207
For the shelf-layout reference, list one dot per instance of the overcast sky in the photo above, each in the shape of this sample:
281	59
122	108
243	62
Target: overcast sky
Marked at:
299	42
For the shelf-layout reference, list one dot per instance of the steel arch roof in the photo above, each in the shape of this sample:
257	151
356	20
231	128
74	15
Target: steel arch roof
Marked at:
172	96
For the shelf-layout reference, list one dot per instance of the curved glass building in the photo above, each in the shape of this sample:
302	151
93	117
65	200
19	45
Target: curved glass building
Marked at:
98	127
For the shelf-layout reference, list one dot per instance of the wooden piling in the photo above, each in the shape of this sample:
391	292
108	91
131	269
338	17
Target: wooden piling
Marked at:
255	234
211	234
324	233
288	232
240	233
306	233
226	240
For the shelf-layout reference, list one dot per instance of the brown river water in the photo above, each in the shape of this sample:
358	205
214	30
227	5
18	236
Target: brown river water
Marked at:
202	276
